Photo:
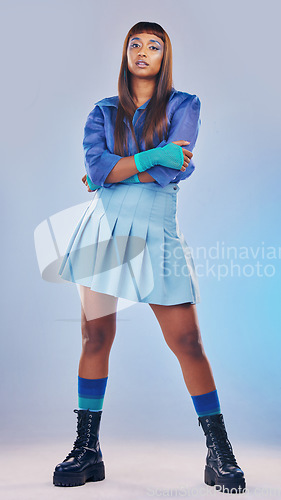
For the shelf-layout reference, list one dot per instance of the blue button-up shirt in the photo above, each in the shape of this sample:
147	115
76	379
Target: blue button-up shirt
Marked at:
183	112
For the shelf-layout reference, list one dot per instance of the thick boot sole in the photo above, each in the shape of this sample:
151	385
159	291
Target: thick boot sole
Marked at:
94	473
225	485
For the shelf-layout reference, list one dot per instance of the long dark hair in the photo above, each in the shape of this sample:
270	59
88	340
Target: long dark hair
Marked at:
156	119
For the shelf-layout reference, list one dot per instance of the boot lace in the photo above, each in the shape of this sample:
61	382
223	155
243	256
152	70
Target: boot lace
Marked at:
222	444
83	435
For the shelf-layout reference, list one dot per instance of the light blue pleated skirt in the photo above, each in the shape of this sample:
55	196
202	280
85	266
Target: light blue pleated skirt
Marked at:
128	244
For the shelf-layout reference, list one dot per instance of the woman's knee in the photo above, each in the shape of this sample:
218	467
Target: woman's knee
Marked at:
186	342
97	336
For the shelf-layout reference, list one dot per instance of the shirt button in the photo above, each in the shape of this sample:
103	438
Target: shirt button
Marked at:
175	187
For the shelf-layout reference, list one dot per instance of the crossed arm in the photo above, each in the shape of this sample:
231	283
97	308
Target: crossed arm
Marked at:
139	176
104	168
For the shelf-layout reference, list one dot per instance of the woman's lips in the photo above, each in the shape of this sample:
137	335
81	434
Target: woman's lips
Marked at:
141	64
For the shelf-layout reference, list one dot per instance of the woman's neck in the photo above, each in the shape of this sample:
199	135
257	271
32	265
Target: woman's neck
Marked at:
141	90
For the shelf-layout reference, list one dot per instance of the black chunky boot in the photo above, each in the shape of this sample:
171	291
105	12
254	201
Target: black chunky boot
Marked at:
221	470
84	462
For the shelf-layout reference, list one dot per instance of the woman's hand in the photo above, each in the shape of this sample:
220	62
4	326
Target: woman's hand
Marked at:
84	179
167	156
89	184
186	154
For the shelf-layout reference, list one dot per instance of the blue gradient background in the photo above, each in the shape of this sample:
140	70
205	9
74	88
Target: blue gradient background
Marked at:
62	56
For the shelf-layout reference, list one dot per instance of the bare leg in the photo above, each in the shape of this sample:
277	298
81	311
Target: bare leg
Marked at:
98	326
180	327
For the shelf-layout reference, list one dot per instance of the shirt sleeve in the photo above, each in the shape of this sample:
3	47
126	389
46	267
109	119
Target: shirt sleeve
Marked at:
98	159
185	125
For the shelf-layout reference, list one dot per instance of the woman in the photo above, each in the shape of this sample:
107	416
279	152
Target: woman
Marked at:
128	244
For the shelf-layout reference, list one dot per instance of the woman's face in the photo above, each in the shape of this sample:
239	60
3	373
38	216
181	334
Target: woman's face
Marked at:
148	48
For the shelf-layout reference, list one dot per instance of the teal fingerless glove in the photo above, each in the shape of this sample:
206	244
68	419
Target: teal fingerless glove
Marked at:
170	156
92	186
131	180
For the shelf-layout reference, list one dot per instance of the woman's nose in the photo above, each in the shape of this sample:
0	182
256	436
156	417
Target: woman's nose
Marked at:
141	53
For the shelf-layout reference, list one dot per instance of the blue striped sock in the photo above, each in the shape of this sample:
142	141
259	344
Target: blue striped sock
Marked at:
207	404
91	393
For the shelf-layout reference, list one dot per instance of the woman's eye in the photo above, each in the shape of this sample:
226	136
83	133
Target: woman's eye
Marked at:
137	44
